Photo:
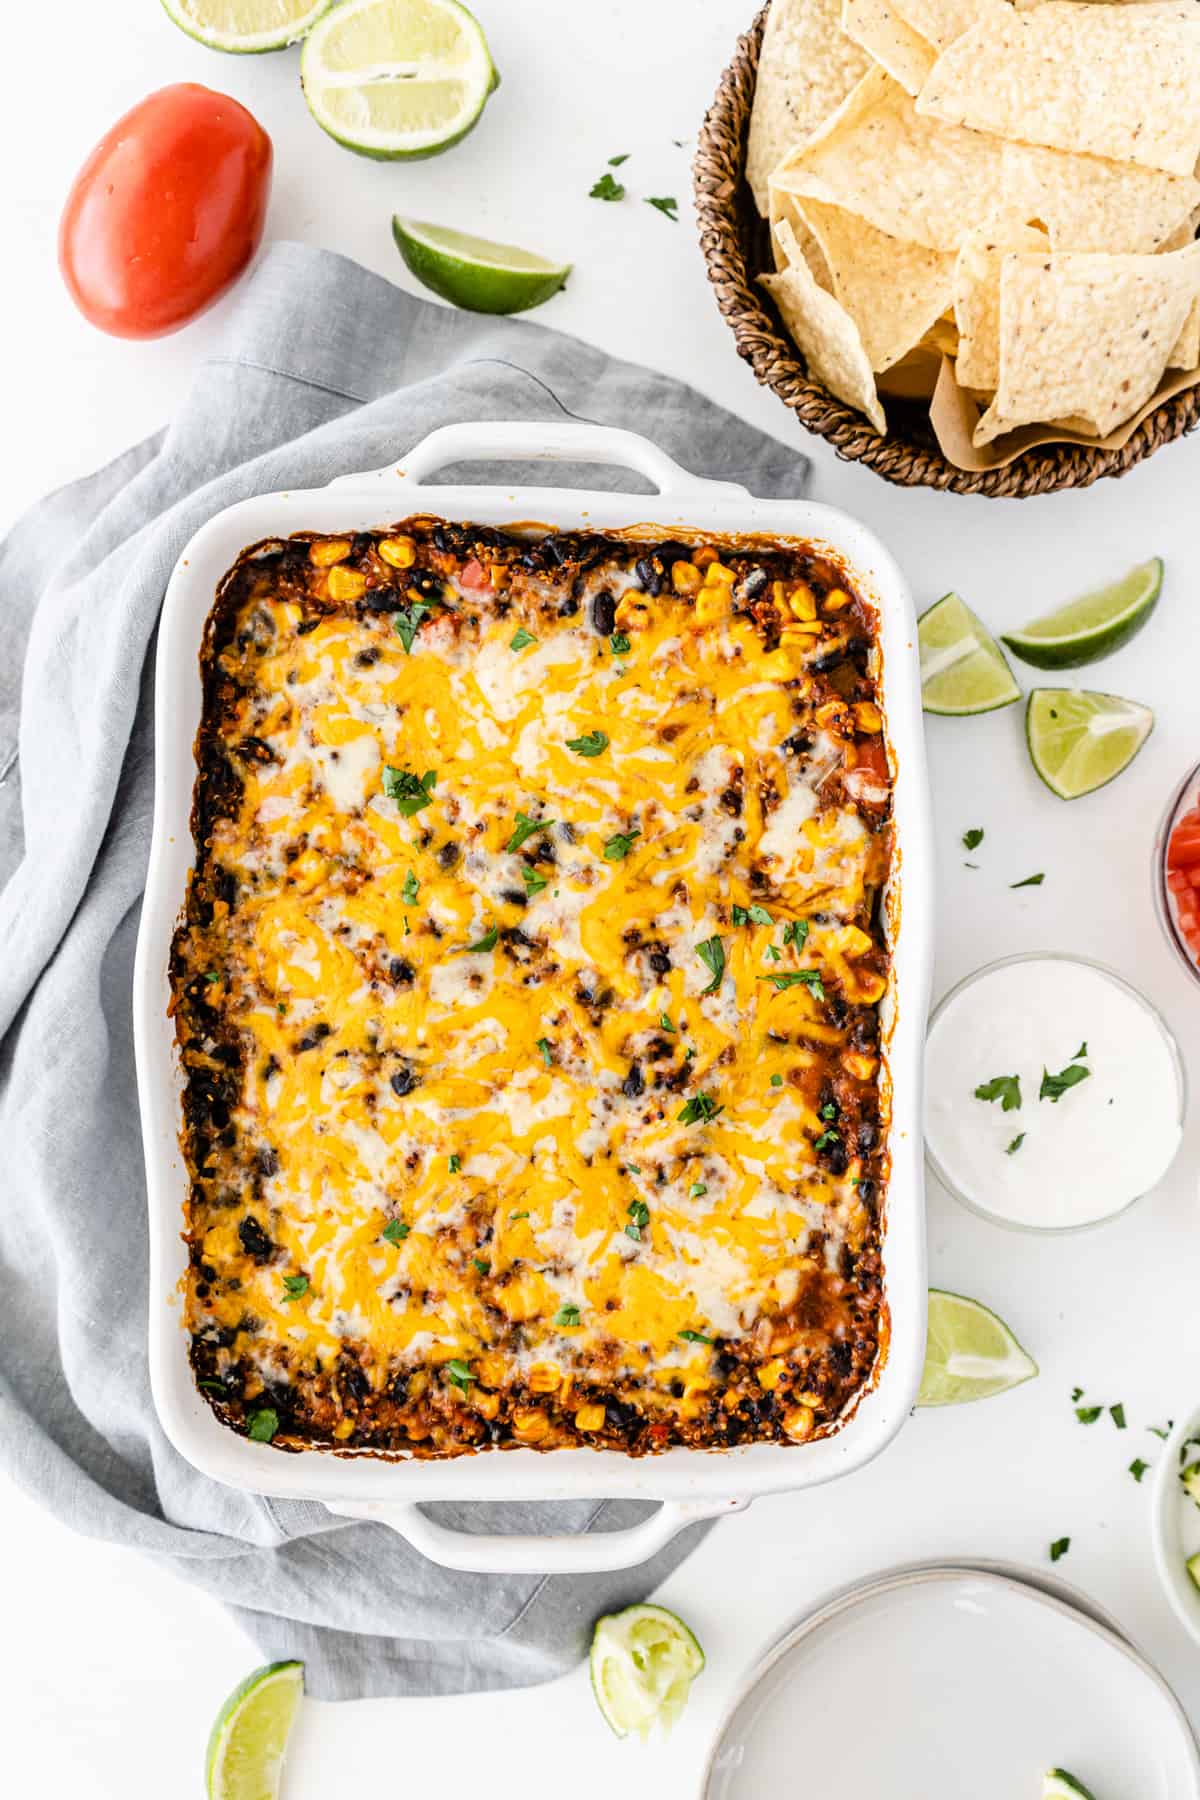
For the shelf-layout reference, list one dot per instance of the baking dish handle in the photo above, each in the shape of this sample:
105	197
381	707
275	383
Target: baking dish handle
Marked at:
565	440
586	1552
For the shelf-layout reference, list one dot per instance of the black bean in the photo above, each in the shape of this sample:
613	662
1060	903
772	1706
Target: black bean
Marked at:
754	584
649	572
798	744
660	961
267	1160
838	1160
634	1084
255	1241
604	613
401	971
514	896
449	854
312	1038
868	1137
830	660
404	1081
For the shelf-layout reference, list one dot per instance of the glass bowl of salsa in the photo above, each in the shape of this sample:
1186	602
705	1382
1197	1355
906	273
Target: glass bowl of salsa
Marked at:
1177	872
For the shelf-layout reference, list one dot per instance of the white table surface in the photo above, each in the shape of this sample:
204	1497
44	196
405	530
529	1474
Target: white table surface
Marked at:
111	1671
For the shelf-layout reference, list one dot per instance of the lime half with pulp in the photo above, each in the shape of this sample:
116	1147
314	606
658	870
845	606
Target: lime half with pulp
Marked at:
397	78
246	26
643	1663
963	670
1080	741
1057	1784
1093	626
970	1354
247	1743
473	272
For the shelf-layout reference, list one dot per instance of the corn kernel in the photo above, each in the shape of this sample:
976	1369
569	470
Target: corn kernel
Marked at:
485	1404
802	602
836	600
832	714
867	716
498	574
589	1418
861	1067
871	988
399	552
712	605
634	611
344	1428
798	1424
805	629
703	557
490	1368
717	575
543	1378
328	551
770	1372
346	584
851	940
530	1424
685	577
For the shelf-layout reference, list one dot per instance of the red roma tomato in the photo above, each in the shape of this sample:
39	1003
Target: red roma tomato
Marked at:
166	212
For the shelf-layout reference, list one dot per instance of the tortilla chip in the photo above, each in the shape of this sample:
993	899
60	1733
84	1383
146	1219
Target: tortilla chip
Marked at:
1091	203
894	45
1185	352
824	332
785	209
939	22
942	336
895	292
806	68
977	299
912	177
1114	81
1086	334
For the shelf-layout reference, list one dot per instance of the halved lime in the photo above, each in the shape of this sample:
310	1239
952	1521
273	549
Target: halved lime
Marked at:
1079	740
1094	625
962	667
970	1354
1193	1567
473	272
246	26
1058	1785
397	78
643	1662
248	1740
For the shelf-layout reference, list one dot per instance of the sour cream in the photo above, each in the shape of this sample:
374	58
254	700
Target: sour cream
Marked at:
1018	1032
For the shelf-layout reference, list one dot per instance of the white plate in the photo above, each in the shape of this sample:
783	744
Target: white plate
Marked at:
953	1683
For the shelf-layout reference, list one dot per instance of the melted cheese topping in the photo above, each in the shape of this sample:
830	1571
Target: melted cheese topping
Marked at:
474	1065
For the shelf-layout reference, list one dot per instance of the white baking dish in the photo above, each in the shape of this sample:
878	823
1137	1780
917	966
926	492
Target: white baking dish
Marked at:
691	1484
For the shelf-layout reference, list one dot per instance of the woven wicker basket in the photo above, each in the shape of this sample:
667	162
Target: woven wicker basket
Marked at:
737	250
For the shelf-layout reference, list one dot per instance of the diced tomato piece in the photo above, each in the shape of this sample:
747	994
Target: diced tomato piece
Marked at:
473	574
1178	882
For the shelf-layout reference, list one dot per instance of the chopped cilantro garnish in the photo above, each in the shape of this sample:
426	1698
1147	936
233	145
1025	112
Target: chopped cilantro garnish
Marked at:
619	845
606	189
666	1024
1055	1086
1082	1051
774	952
809	978
614	162
618	643
543	1045
796	932
752	915
665	203
639	1218
395	1231
410	890
262	1425
973	838
487	942
295	1286
1059	1548
407	621
518	1215
632	1169
695	1337
592	743
1076	1393
521	638
1159	1431
828	1140
699	1107
1005	1088
1011	1149
1137	1468
829	1110
567	1314
534	883
455	1163
712	954
410	791
697	1190
458	1373
525	828
481	1265
777	1081
1087	1415
1029	881
1117	1415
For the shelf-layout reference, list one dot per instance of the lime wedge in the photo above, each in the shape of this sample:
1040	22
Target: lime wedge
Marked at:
246	26
643	1663
1094	625
248	1740
1193	1567
397	78
1079	740
962	667
970	1354
472	272
1058	1785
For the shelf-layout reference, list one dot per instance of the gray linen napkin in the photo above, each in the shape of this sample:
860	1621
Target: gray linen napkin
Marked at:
326	369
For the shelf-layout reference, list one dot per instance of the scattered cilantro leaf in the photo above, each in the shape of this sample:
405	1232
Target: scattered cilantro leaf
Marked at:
619	644
606	188
1087	1415
701	1107
592	743
697	1190
972	839
395	1231
695	1337
410	791
296	1286
1138	1467
614	162
410	890
619	845
1076	1393
1011	1149
1059	1548
543	1045
712	954
666	1024
1082	1051
666	204
481	1265
796	932
486	942
459	1374
774	952
828	1140
534	883
1029	881
262	1425
407	622
455	1164
1117	1414
567	1314
1158	1431
1005	1088
518	1215
520	638
525	827
1055	1086
777	1080
809	978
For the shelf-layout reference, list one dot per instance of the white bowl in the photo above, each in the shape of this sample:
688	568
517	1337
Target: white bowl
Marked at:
1175	1524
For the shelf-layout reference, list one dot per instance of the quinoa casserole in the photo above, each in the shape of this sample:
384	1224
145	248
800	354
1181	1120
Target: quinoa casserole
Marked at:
528	993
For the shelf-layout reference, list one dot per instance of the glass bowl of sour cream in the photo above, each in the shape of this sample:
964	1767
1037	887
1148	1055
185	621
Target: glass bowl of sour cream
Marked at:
1055	1093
